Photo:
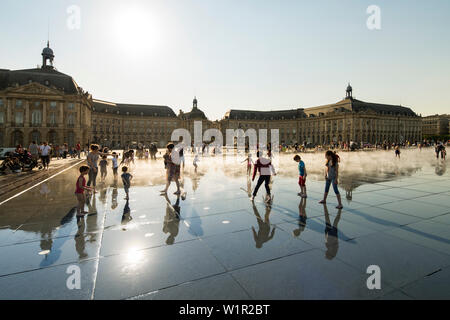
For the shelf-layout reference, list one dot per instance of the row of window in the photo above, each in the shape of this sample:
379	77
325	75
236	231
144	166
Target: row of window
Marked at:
36	118
53	104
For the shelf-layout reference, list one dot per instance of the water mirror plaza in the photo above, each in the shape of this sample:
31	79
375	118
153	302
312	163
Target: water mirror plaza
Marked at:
214	243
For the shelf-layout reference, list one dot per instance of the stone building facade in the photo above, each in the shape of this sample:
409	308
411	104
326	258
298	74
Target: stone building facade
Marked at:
42	104
436	125
344	121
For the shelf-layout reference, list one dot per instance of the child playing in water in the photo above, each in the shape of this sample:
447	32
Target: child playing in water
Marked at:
103	163
196	160
126	179
249	163
266	169
302	176
397	152
331	177
172	170
115	165
79	191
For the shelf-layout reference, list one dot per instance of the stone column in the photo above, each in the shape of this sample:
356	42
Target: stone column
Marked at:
26	116
9	118
44	113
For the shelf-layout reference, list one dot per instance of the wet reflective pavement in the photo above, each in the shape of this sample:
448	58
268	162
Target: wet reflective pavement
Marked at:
396	215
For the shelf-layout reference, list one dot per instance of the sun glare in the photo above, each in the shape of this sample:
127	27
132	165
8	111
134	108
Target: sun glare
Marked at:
135	31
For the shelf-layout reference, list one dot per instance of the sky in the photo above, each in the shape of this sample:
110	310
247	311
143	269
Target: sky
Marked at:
238	54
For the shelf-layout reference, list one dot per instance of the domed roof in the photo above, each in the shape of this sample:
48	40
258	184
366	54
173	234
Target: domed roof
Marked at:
47	51
195	114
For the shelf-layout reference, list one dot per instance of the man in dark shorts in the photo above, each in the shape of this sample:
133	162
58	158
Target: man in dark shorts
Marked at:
45	152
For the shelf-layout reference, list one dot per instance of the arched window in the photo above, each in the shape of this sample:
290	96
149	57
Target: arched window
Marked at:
17	138
19	118
70	119
36	136
36	117
52	137
71	139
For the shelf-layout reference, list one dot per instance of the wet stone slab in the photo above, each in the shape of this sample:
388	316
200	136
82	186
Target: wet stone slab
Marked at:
212	242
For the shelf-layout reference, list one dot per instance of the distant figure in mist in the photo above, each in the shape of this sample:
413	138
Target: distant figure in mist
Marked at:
331	177
195	162
249	161
397	152
440	149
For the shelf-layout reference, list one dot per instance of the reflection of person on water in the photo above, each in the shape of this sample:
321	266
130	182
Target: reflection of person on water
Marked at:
126	216
80	243
91	220
331	233
114	195
302	218
264	234
172	220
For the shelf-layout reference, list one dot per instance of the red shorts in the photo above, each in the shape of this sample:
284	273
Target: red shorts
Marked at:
301	181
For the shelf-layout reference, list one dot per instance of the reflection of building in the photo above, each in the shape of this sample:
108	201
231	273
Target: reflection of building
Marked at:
346	120
437	125
45	104
42	104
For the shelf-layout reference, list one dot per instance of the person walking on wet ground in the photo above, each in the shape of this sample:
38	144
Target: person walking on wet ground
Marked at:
45	152
249	163
78	150
103	170
302	176
92	161
34	150
331	177
115	164
440	149
172	169
195	163
126	180
265	168
397	152
79	191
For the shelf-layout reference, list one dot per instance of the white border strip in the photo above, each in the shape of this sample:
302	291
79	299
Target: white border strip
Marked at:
22	192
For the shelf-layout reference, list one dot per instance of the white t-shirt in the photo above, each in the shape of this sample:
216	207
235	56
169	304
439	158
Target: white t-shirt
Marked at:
114	162
45	150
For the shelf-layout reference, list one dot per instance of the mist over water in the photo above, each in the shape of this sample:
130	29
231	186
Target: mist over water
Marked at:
355	167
